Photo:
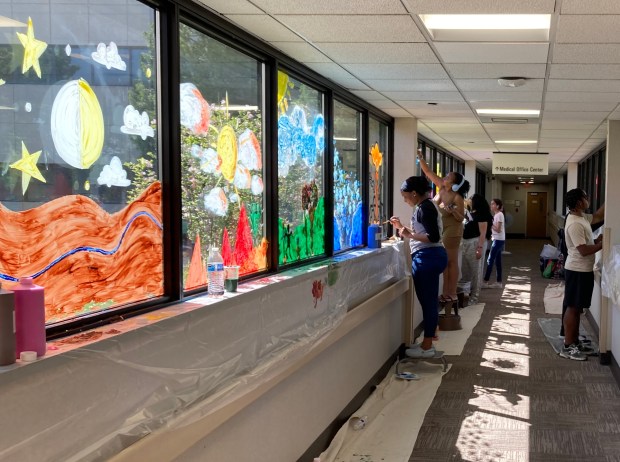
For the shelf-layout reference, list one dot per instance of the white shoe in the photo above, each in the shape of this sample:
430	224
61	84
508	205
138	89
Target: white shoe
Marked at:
496	285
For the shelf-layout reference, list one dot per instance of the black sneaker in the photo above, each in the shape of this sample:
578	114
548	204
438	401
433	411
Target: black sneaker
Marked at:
572	352
586	349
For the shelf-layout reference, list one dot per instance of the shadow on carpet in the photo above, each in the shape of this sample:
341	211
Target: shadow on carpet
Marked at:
551	329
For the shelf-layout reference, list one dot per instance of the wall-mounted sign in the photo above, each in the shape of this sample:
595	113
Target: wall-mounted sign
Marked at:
514	163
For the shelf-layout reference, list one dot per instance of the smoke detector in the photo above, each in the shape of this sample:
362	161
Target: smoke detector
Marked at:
511	82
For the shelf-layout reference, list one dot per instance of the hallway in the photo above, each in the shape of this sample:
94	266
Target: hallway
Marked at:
509	397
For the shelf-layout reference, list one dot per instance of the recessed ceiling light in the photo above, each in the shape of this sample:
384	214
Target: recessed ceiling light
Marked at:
520	112
511	82
516	141
488	27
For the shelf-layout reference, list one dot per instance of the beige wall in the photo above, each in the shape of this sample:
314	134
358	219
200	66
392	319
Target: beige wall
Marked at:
512	192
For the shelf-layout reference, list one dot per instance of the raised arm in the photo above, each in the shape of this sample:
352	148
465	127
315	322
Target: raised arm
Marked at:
438	181
599	215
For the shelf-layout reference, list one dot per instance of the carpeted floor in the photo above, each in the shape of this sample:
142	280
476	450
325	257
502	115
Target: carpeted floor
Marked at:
510	397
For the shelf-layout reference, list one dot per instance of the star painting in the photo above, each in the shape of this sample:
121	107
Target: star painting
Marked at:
33	49
28	166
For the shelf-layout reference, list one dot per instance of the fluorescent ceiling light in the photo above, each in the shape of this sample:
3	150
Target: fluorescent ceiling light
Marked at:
488	27
516	141
518	112
342	138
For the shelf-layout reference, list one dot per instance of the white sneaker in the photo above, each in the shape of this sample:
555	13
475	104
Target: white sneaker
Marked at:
418	352
496	285
485	285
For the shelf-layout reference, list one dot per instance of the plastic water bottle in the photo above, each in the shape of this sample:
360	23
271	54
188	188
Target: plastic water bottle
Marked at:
215	272
29	317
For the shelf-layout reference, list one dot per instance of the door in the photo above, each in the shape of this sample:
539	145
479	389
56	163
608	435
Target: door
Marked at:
536	225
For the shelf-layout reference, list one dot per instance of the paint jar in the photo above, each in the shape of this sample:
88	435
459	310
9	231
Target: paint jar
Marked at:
7	327
29	317
231	278
374	236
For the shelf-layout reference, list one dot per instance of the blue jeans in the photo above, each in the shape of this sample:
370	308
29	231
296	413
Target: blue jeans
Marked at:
495	256
426	266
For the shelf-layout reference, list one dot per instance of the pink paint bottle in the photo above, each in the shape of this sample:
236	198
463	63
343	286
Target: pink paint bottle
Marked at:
29	317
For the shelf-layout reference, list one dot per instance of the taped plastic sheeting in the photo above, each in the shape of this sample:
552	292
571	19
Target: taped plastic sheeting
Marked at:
610	276
92	402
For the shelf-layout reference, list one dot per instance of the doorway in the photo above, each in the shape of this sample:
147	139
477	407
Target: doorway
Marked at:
536	225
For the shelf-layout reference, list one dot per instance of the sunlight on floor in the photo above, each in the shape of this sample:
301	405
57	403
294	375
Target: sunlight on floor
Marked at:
500	415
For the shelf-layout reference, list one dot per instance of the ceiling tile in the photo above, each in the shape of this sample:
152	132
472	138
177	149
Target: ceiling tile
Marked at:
583	106
231	6
464	52
302	52
608	86
349	28
330	70
585	116
585	71
586	53
372	7
398	113
590	7
492	96
265	27
383	53
548	134
588	29
397	71
424	96
495	71
492	85
350	83
369	95
581	96
411	85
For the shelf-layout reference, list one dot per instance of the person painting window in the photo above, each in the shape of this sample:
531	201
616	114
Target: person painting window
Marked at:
428	256
578	270
474	244
498	238
450	198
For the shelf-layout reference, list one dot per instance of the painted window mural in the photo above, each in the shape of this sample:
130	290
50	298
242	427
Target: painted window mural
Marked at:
348	207
80	196
221	156
301	153
377	173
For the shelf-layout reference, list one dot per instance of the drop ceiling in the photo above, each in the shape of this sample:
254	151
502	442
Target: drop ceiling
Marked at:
380	51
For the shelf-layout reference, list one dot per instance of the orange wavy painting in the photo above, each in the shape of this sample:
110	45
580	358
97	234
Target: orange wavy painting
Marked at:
85	258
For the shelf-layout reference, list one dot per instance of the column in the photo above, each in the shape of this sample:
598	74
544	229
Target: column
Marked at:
571	176
405	147
470	175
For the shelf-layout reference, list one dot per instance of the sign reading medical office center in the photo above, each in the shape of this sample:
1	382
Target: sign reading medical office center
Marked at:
520	164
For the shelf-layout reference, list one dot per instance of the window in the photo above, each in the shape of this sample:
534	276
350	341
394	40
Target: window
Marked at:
222	157
301	153
377	177
80	188
348	219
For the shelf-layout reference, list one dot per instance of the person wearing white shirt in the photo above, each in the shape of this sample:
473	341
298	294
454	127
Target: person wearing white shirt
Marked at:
498	238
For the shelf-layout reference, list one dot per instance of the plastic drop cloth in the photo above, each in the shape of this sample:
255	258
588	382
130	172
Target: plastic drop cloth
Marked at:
610	276
92	402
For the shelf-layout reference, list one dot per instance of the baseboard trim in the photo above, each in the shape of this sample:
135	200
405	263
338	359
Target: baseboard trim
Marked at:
323	441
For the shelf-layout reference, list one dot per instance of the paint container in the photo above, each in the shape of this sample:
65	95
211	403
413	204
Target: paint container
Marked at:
374	236
231	278
7	327
29	317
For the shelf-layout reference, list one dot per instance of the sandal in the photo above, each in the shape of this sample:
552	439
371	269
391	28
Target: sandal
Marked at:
443	299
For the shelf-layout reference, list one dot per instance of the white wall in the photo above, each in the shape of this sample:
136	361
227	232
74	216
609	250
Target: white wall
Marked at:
512	192
405	147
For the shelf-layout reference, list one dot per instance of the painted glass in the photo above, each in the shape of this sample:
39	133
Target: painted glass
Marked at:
301	153
80	191
349	220
222	157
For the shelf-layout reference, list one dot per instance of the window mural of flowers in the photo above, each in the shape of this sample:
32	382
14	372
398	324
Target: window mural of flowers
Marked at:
376	159
348	207
378	184
301	147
